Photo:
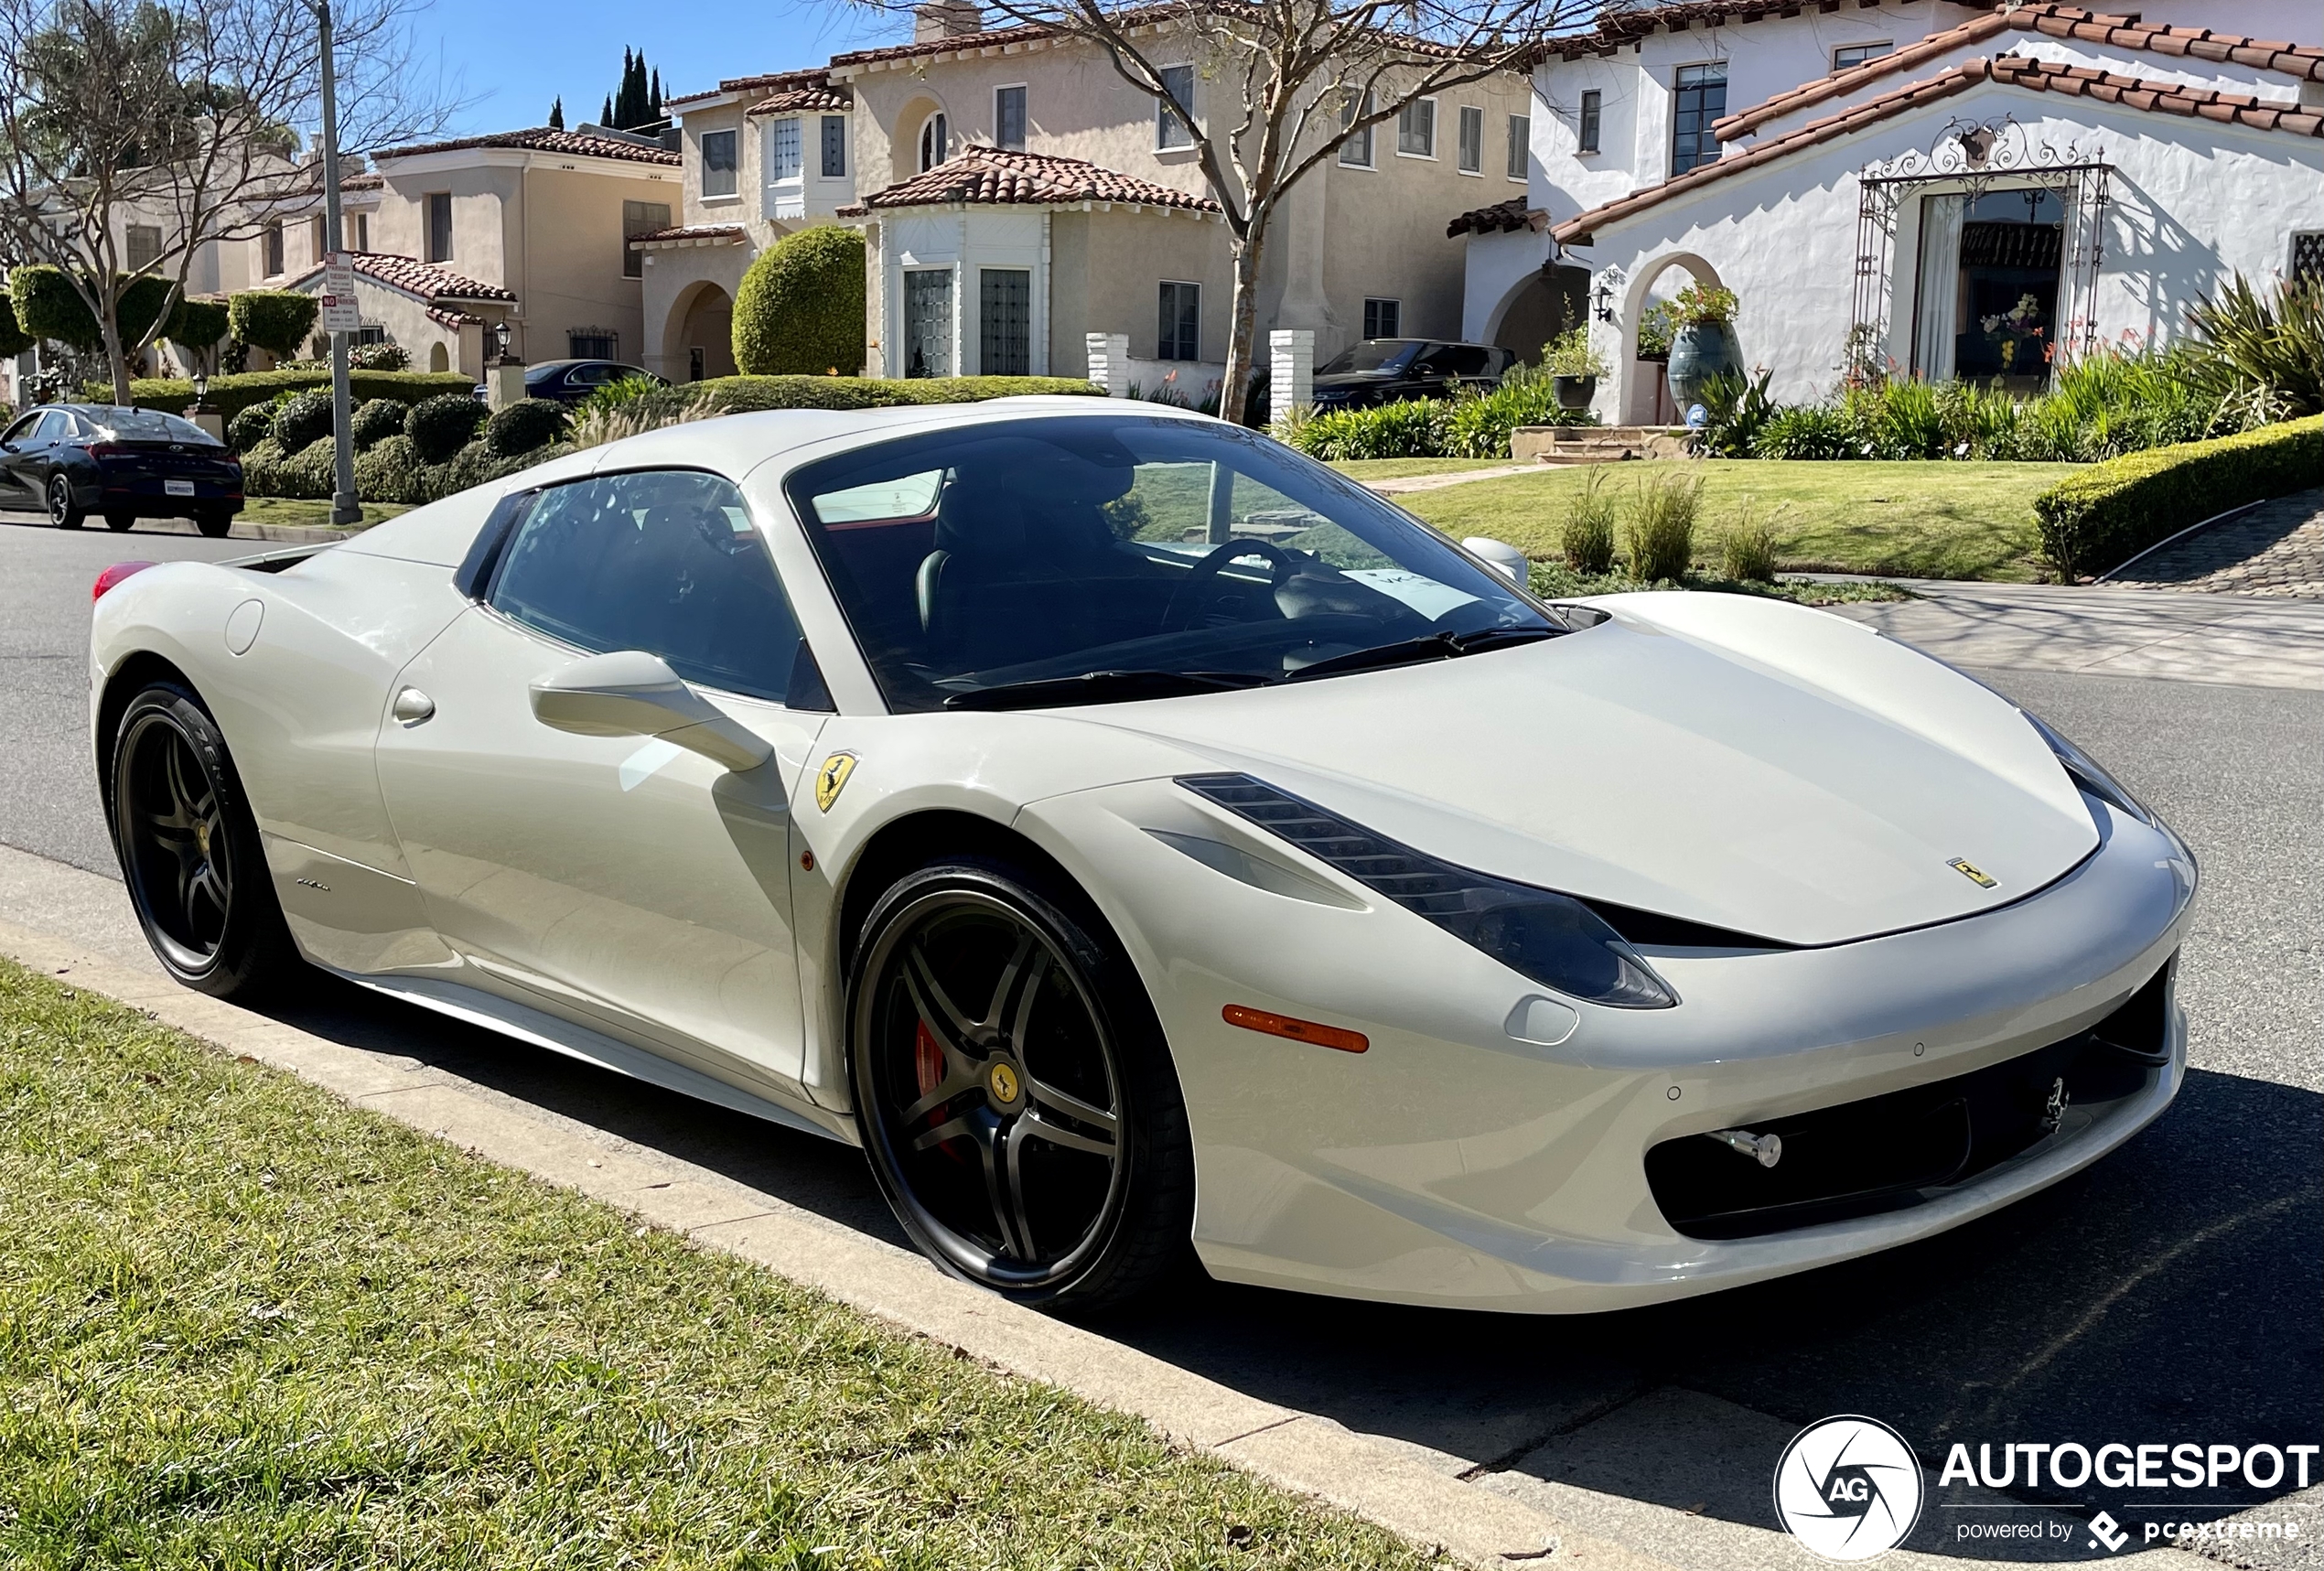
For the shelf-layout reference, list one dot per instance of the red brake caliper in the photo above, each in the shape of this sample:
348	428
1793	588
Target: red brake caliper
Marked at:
928	1064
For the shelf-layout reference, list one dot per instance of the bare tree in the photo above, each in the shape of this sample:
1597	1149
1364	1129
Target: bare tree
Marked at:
182	115
1288	82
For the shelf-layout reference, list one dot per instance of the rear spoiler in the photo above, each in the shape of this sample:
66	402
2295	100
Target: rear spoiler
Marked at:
275	561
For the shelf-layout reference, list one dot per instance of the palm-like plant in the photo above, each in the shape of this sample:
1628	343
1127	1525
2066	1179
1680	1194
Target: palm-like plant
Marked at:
2267	350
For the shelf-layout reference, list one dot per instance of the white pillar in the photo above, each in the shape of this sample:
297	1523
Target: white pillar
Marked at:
1110	362
1291	375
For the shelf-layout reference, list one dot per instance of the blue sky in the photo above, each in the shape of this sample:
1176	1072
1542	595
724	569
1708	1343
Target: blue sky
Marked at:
509	58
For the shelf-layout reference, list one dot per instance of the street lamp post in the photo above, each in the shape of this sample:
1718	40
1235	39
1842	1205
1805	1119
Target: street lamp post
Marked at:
345	507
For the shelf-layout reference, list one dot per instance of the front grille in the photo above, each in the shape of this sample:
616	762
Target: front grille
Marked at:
1890	1152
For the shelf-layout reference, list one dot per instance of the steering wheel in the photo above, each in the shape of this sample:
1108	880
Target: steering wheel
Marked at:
1189	599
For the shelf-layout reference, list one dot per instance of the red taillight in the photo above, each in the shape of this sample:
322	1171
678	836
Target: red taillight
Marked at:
103	450
115	575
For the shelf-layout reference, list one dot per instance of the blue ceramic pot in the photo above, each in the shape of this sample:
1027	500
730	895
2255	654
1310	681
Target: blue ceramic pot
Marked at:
1698	353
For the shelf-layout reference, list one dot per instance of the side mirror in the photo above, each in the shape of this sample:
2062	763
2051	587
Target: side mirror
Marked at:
632	694
1501	556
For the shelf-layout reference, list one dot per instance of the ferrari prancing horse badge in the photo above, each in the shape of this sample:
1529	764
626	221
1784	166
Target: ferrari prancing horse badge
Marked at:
832	779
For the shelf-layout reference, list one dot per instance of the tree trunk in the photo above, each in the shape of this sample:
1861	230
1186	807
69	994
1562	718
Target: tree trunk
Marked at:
1242	327
109	320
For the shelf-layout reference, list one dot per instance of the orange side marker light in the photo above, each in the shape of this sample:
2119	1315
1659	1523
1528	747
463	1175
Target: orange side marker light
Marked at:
1297	1031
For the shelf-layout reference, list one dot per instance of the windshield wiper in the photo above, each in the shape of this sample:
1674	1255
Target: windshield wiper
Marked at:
1101	687
1435	646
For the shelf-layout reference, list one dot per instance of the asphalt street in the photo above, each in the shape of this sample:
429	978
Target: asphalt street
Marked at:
2169	1295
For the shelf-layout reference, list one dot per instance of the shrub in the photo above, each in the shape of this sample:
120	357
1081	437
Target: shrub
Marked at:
276	320
1808	431
388	470
646	407
2103	517
799	310
1736	409
615	392
378	357
253	424
1747	545
232	394
197	324
1587	533
2266	355
377	419
1658	535
14	339
525	426
270	471
46	306
1478	425
1412	428
1569	354
442	425
304	417
1656	324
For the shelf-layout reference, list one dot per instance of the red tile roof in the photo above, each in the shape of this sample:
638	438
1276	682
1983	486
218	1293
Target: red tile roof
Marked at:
2052	21
446	317
543	139
997	176
709	233
1615	28
429	281
2015	70
793	99
1502	218
999	38
760	82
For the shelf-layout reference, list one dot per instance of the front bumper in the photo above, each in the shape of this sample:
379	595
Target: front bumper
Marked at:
1455	1164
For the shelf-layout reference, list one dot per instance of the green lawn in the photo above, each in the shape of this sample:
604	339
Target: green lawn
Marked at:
243	1325
292	510
1905	520
1398	469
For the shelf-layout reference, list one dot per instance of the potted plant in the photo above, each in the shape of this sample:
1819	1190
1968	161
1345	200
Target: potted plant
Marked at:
1703	346
1573	368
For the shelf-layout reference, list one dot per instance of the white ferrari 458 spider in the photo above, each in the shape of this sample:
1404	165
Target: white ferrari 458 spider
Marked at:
1136	837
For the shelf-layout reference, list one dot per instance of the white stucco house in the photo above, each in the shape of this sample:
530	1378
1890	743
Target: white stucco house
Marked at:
1913	185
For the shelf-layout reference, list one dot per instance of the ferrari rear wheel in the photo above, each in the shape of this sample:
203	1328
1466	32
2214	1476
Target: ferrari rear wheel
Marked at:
1017	1100
190	850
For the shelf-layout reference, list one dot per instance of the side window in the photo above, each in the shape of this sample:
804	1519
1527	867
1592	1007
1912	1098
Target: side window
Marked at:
664	561
21	432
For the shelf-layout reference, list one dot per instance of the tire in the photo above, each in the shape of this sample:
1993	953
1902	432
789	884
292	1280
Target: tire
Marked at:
120	522
63	511
190	852
214	521
1066	1181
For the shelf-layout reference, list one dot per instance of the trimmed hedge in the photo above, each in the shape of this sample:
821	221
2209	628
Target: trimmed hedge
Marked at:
525	426
440	426
2103	517
230	396
799	310
739	394
378	419
392	470
277	320
252	425
14	340
196	325
46	306
305	419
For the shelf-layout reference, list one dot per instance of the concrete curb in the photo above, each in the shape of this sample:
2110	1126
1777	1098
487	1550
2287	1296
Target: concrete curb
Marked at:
1282	1446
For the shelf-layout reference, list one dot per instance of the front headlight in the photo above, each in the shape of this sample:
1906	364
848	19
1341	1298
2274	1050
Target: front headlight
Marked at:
1552	938
2087	775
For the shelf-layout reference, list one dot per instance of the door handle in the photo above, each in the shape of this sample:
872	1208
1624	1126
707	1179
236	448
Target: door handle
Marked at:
412	707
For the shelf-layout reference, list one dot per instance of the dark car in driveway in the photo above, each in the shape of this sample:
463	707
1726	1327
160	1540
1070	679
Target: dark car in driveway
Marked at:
1386	371
69	461
571	381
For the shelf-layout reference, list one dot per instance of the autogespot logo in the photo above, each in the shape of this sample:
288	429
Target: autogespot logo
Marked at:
1848	1488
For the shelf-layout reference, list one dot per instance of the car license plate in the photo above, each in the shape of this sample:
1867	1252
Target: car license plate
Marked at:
178	488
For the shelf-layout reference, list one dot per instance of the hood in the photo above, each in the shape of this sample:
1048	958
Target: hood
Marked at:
1742	763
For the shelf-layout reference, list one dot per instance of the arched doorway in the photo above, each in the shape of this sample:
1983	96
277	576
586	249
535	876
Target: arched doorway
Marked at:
699	341
438	357
1647	401
1536	310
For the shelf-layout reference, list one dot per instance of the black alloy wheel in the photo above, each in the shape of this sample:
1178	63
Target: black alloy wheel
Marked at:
120	522
190	850
214	521
1016	1097
63	511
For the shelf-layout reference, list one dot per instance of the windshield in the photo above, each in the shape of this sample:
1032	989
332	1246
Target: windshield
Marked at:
1132	556
148	426
1373	354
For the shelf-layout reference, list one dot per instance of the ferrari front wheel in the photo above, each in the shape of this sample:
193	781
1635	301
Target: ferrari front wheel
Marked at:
1016	1097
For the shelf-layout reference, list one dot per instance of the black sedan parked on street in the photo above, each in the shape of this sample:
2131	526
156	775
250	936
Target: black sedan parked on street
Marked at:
73	459
1386	370
571	381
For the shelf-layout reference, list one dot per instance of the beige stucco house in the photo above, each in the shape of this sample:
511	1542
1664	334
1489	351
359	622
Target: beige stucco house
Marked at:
454	238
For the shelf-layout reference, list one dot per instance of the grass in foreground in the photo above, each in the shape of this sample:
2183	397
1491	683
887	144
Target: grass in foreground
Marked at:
244	1325
303	510
1399	468
1553	580
1905	520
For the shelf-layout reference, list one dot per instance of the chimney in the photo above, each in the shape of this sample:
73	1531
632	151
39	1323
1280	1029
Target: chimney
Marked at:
945	19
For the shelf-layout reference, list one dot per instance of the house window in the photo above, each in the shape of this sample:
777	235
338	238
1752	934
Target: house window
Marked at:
1521	138
834	147
1169	131
784	161
935	143
1180	336
1472	141
318	238
927	321
273	242
1004	322
1383	318
2307	257
1701	94
1356	151
697	360
1416	129
1008	118
359	232
439	226
1586	127
637	219
592	343
1850	56
718	161
370	334
145	246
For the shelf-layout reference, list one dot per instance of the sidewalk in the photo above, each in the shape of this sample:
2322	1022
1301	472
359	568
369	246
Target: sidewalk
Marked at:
2101	630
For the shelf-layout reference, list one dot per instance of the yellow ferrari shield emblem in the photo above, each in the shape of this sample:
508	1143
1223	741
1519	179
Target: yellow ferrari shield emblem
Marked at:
1972	872
832	779
1002	1080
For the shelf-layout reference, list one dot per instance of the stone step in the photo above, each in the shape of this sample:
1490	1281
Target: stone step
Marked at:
1596	444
